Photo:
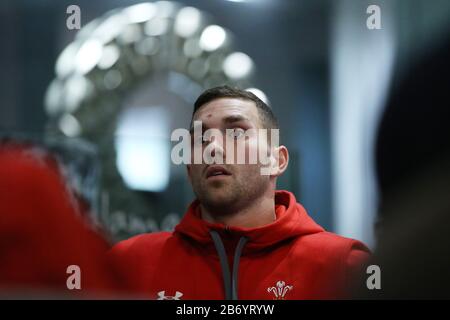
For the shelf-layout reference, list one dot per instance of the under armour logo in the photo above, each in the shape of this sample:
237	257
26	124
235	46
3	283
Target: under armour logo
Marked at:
162	296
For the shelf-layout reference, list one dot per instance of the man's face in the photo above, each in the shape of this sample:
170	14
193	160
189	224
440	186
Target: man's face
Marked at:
242	183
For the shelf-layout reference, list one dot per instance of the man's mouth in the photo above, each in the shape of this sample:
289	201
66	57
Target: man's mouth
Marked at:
216	171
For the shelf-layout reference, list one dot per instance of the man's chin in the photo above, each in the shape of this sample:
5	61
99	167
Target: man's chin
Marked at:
218	200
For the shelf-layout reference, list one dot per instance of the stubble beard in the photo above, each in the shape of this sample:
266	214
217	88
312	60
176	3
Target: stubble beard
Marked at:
228	197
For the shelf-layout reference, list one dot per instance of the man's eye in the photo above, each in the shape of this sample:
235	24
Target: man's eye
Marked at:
237	133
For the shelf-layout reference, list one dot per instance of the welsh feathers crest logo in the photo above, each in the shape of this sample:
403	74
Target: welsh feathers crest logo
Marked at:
280	290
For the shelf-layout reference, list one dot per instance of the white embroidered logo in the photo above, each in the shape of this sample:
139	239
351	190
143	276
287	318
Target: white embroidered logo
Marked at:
280	290
162	296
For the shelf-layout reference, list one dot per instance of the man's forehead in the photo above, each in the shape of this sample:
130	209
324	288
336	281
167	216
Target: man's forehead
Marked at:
223	108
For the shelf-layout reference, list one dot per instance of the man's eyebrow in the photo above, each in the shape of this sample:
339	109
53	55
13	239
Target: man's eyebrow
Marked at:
204	128
235	118
228	120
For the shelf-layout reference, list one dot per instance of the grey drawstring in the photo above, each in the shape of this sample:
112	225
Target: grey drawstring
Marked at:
231	285
237	258
223	262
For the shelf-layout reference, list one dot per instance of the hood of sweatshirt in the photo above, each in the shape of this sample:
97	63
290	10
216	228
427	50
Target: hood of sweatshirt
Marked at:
291	221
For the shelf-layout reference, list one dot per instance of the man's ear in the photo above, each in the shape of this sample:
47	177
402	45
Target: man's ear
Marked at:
280	161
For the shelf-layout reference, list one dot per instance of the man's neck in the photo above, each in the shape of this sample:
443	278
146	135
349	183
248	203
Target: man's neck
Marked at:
258	214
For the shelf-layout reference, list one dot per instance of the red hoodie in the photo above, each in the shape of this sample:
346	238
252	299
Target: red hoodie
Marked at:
291	258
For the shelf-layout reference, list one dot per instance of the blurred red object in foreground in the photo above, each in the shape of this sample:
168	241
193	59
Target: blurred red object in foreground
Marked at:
42	234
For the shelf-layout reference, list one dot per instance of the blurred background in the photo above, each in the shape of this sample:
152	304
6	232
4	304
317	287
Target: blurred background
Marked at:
107	97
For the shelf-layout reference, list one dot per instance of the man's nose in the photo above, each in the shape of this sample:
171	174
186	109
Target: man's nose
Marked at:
216	146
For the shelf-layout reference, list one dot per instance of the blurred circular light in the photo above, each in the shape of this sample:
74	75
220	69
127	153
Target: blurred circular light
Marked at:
109	57
65	63
69	125
102	42
52	100
261	95
131	33
112	79
187	22
156	27
77	88
140	12
237	65
212	38
149	46
166	9
110	28
88	56
87	29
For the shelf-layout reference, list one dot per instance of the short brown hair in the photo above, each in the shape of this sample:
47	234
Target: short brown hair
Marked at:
267	117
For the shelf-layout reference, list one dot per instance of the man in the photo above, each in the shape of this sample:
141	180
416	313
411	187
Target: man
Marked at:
240	238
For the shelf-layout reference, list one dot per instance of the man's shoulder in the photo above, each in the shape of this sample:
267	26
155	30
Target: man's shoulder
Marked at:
330	238
332	243
142	242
